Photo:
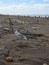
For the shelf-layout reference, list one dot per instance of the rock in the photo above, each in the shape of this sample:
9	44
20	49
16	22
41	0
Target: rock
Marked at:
6	29
9	59
45	64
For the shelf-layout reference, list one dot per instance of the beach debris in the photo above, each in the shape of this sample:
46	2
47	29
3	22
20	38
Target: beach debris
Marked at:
19	35
6	29
10	21
35	27
9	59
45	64
10	24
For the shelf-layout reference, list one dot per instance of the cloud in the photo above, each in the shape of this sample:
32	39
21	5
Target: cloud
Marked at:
24	6
25	9
41	6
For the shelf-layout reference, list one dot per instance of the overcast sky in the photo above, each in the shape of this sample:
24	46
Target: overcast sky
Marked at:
24	7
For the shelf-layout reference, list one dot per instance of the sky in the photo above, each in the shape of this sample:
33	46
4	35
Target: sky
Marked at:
24	7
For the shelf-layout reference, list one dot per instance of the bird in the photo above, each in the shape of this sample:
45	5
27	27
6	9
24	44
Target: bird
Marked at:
19	35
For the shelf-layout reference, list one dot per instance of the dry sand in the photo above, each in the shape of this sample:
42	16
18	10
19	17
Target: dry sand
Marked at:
34	50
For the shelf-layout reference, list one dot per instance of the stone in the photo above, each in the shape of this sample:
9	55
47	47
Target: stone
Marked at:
45	64
9	59
6	29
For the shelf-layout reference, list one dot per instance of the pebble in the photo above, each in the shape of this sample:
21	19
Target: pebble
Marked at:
6	29
45	64
9	59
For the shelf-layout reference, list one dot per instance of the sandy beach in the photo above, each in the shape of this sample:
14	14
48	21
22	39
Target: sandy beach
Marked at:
31	51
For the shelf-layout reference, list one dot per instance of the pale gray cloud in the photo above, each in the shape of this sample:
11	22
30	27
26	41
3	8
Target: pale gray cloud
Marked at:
25	9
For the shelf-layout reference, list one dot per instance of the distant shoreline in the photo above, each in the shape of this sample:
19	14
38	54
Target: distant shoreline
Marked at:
25	15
